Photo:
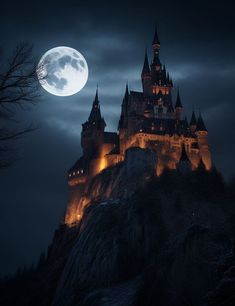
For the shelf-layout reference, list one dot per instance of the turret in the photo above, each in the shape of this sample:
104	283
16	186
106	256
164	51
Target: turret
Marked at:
202	133
156	43
145	75
95	120
178	107
201	128
193	122
123	122
156	64
93	130
124	112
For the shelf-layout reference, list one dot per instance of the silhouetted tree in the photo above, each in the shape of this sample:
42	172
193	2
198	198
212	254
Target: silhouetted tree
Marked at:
19	88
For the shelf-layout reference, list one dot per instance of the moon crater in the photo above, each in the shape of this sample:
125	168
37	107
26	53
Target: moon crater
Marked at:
62	71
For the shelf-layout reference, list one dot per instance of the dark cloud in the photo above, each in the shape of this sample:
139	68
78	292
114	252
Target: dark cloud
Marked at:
197	46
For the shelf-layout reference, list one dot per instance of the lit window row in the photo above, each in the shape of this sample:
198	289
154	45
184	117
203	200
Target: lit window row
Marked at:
76	173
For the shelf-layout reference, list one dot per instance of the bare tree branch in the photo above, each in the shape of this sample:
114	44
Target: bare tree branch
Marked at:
19	88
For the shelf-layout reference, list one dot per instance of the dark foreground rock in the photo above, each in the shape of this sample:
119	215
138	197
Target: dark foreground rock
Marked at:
170	243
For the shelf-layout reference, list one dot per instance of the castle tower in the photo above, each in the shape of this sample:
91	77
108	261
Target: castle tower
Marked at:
160	78
123	122
178	107
156	66
156	44
170	109
193	122
146	76
202	133
93	131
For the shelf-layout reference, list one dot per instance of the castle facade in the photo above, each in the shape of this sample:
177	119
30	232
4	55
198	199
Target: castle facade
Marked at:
149	119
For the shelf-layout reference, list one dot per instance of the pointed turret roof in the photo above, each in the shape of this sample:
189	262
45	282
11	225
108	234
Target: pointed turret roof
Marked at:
164	75
184	156
156	40
200	124
201	166
95	114
146	69
123	117
193	120
126	92
170	108
178	101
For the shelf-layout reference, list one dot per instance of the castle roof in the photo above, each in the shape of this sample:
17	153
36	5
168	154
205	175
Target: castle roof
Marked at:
137	95
200	124
178	101
95	118
122	121
193	120
146	69
170	108
156	40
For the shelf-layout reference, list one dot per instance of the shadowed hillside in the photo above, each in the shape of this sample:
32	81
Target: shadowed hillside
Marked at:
170	243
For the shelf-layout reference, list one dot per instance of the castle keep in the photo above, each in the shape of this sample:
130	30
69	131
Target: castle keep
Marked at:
149	119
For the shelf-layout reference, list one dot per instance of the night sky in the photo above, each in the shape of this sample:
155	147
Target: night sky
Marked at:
198	48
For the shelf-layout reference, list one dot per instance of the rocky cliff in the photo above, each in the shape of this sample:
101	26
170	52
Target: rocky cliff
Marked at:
142	241
117	182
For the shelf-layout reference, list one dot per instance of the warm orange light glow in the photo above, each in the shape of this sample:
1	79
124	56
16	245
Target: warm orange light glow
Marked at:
102	164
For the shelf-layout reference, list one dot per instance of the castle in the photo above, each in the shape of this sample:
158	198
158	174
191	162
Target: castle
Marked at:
149	119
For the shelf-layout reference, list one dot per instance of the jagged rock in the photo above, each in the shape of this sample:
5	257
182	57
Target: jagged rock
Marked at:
119	181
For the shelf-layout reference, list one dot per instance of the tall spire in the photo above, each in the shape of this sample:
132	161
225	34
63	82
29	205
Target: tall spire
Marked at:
200	124
146	69
127	91
95	114
123	118
193	121
96	96
156	40
156	49
178	103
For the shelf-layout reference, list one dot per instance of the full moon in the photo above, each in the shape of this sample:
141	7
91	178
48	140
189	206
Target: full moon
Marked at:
62	71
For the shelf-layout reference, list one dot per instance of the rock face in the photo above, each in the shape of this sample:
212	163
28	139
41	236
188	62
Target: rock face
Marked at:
166	241
160	246
119	181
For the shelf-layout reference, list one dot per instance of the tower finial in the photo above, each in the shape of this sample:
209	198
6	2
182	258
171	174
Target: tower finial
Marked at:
200	123
146	69
156	40
96	95
178	100
126	91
